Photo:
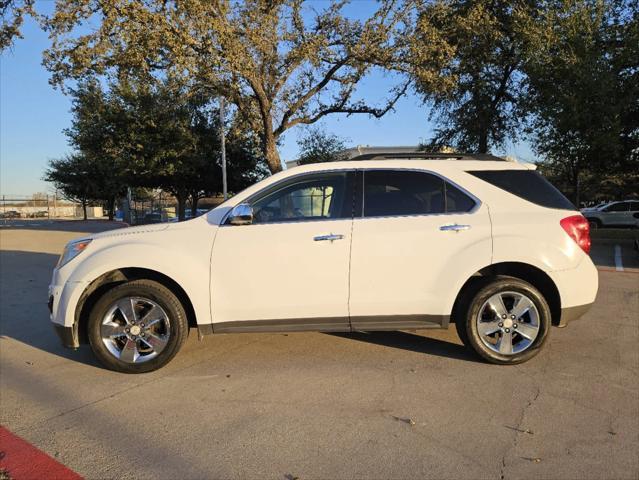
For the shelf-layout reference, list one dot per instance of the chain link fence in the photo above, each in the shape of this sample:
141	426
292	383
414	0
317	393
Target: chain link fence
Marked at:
42	205
136	208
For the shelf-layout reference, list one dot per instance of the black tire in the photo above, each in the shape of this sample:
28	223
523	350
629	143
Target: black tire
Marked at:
146	289
467	328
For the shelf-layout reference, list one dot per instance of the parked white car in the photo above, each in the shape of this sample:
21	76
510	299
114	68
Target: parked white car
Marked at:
614	214
368	244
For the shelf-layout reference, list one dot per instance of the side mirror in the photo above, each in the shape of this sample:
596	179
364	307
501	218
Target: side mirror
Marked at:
241	214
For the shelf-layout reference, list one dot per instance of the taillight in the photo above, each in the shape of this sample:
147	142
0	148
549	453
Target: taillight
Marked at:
577	228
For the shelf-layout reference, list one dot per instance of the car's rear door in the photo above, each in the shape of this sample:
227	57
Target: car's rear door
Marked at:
630	219
289	269
415	240
616	214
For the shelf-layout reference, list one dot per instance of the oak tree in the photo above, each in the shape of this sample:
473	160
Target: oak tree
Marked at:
13	13
281	62
477	47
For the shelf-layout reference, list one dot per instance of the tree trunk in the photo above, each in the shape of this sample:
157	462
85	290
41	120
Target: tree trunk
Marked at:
84	209
269	147
111	207
483	141
194	201
181	207
576	187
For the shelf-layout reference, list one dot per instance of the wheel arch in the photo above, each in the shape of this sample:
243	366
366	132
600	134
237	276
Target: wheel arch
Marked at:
524	271
115	277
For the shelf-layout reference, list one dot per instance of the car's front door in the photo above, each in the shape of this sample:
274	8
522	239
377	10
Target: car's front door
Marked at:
288	270
415	241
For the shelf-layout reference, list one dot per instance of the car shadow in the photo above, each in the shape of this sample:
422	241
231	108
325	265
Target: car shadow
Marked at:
24	315
413	342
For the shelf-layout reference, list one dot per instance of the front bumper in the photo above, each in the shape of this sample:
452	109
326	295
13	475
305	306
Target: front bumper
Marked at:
61	303
68	335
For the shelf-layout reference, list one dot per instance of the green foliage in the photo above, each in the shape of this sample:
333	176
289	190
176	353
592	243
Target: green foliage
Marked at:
280	65
480	45
80	178
13	13
583	96
316	146
153	134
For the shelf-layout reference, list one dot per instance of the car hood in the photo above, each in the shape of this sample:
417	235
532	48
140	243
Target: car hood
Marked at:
122	232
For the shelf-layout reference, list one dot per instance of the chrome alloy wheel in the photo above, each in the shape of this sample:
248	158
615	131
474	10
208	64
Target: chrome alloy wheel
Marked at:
508	323
135	329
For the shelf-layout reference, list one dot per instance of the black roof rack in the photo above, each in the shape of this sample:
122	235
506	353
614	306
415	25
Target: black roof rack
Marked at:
427	156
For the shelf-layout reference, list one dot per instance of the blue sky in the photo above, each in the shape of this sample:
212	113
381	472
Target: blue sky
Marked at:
33	115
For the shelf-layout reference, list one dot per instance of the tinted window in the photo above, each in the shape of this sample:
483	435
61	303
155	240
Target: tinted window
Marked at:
634	206
456	200
526	184
391	193
617	207
313	197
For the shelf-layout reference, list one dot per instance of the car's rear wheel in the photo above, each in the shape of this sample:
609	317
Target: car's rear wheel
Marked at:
507	321
137	327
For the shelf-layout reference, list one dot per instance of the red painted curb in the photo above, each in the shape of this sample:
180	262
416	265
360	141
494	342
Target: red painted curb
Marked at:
22	461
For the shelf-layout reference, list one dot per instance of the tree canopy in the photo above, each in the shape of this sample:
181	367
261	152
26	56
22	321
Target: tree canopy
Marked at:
317	145
280	62
583	97
13	13
152	135
79	178
481	54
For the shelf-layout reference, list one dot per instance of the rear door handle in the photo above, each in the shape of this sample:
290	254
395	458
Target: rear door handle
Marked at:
455	227
331	237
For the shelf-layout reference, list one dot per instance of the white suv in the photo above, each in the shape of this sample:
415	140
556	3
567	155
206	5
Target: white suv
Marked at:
368	244
615	214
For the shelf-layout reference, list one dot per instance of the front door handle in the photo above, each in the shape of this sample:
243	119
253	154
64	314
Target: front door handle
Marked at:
331	237
454	228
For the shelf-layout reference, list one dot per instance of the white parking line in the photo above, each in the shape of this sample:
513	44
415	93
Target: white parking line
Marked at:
618	264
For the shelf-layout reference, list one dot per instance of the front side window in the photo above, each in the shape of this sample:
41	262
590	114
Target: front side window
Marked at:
314	197
397	193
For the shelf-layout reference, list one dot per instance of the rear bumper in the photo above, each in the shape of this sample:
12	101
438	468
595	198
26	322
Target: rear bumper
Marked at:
573	313
577	290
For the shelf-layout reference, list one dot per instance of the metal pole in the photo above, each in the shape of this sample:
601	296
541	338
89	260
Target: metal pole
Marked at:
223	149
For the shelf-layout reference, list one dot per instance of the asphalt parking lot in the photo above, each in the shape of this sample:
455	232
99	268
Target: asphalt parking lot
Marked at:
312	405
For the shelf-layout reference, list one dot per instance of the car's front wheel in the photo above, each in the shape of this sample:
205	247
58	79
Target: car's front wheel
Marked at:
137	327
506	322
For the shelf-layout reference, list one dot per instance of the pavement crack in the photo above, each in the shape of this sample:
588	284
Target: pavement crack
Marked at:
518	430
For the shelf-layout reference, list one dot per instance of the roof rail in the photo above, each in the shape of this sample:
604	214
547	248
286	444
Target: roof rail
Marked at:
428	156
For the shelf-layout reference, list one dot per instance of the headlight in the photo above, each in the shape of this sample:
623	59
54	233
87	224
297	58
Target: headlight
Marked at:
72	250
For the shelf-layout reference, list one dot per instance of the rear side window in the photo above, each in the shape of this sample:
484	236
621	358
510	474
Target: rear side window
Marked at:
618	207
526	184
395	193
